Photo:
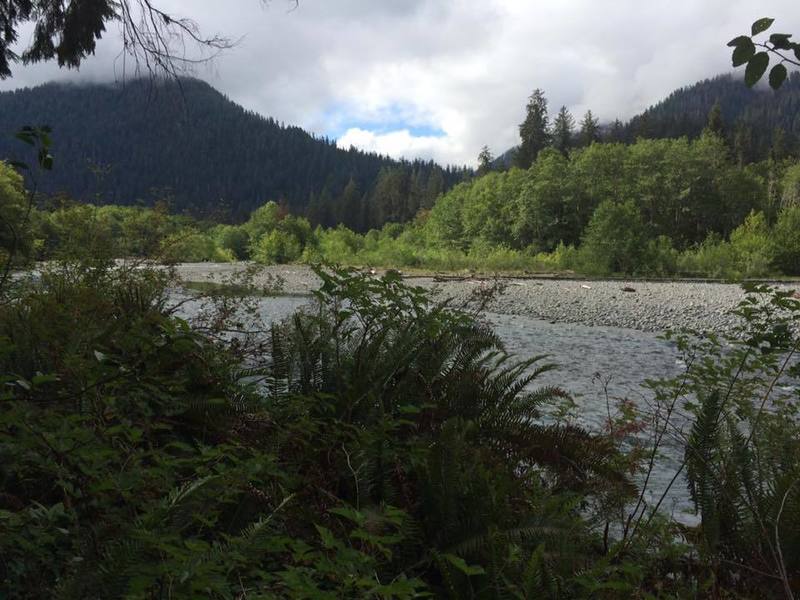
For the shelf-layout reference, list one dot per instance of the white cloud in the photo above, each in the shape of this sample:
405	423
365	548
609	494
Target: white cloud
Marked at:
462	67
399	143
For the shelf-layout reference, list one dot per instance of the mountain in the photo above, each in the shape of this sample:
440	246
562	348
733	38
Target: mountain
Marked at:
186	142
757	122
752	118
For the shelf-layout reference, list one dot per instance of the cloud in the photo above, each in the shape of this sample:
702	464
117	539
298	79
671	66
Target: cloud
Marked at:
441	78
401	143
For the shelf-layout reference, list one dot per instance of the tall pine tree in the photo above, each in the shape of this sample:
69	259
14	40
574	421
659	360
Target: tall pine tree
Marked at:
716	125
534	130
563	130
617	133
590	129
485	160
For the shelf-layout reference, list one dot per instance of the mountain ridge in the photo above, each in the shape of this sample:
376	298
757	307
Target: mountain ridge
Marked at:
751	117
189	143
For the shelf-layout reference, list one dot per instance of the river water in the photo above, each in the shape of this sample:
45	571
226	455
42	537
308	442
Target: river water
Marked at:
593	363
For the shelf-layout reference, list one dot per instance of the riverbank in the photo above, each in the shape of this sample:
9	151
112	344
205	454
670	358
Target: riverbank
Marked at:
633	304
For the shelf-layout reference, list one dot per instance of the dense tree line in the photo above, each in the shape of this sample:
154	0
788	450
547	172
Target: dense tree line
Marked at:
205	155
757	123
655	207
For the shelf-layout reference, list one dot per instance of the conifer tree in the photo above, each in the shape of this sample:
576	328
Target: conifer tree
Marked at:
349	206
590	129
716	125
563	130
617	133
485	160
534	130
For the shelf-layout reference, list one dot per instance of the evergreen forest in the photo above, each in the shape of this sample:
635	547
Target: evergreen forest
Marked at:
185	143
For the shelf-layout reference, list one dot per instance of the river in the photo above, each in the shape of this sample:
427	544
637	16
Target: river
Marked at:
592	361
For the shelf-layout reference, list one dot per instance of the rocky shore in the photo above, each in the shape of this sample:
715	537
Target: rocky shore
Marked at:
640	305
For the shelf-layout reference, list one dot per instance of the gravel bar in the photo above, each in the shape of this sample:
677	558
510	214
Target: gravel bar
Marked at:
635	304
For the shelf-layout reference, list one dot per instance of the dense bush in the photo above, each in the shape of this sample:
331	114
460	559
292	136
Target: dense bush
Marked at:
15	232
192	246
392	443
785	241
652	208
377	444
276	247
614	240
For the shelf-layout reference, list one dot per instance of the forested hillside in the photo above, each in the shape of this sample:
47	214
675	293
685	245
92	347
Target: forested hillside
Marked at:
757	121
192	146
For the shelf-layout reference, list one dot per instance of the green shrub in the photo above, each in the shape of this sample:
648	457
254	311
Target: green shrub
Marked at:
16	235
614	241
339	245
752	246
660	257
234	239
193	246
713	258
785	241
390	447
277	247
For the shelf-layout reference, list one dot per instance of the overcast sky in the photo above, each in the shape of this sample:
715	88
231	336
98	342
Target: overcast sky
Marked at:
441	78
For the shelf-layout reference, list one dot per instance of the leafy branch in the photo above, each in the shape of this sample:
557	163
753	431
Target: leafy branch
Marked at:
39	138
756	55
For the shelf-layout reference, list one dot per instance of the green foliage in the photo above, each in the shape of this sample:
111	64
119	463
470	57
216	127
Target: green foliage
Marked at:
12	212
378	444
688	200
192	246
779	45
751	246
277	247
209	156
790	185
742	455
614	241
712	258
785	241
392	448
234	239
687	213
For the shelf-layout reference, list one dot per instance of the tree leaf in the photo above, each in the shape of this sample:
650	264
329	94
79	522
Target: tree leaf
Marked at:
738	41
25	136
781	41
756	68
762	25
743	53
777	76
460	564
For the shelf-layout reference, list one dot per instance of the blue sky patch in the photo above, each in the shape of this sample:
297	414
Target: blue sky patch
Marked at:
340	118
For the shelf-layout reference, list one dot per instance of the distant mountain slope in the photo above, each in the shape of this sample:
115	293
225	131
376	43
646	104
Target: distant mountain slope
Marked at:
752	114
208	155
756	121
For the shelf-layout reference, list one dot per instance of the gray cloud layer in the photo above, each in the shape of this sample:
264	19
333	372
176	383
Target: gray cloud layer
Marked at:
440	78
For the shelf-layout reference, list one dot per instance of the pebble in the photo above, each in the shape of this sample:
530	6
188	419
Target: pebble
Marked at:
656	306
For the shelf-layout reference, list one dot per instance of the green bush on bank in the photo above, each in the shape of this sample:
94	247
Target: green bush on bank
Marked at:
654	208
377	445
